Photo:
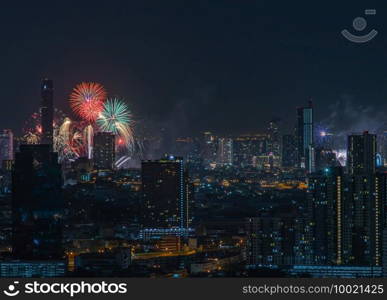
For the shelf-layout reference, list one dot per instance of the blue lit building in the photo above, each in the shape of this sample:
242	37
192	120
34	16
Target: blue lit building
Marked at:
18	268
305	137
321	271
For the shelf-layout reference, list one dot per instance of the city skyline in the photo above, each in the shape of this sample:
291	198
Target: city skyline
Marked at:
205	139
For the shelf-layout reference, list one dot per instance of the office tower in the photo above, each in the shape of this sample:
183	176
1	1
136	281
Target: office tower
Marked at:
104	151
167	193
225	153
37	204
289	151
209	149
247	148
361	156
325	158
328	213
6	146
305	137
47	111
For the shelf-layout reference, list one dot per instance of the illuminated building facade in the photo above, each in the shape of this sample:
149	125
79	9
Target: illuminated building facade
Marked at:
104	151
167	193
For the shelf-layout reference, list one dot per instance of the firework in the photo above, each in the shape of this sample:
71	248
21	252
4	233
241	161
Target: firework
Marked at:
68	139
32	128
116	118
74	139
87	100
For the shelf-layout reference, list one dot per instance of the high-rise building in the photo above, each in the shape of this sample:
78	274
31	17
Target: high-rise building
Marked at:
209	149
37	204
225	152
104	150
384	262
367	196
274	139
167	193
328	213
289	151
361	156
47	111
305	137
194	159
6	145
274	240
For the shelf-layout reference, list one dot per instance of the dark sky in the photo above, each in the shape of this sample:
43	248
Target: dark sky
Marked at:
188	66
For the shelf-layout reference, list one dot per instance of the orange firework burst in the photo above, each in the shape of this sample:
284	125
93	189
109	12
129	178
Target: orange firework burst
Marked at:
87	100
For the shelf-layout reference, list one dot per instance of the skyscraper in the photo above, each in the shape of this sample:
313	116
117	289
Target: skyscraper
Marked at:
47	111
305	137
289	151
367	195
361	156
37	204
167	193
274	139
104	152
6	145
225	152
328	213
274	240
209	149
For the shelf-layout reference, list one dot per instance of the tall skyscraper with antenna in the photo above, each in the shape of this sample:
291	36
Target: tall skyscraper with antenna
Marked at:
47	111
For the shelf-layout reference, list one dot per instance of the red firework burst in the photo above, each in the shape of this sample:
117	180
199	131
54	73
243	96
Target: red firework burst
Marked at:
87	100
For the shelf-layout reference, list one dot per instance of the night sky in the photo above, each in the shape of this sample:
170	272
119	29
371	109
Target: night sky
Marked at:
189	66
